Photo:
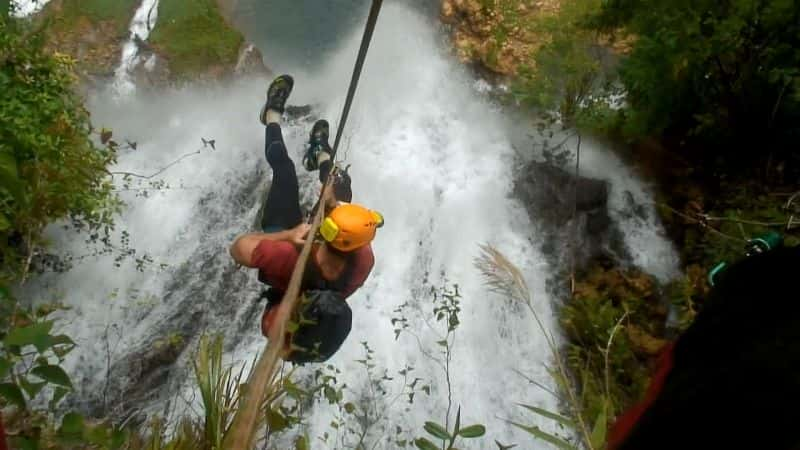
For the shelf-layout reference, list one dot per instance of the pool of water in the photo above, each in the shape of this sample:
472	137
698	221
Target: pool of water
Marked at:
300	33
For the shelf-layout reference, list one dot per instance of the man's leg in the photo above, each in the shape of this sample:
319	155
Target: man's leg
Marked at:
282	207
318	157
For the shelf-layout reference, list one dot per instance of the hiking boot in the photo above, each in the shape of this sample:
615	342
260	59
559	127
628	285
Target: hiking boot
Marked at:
319	150
278	92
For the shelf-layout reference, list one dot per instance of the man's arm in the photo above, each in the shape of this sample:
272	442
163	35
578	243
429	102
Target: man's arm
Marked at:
242	248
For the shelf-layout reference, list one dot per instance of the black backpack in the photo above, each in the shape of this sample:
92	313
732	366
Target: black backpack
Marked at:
320	327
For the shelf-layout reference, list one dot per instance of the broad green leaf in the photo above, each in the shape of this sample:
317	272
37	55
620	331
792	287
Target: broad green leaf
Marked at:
330	394
36	335
547	437
32	389
8	166
598	437
349	407
301	443
424	444
58	394
99	435
5	367
569	423
71	425
4	222
118	438
9	176
12	393
23	443
472	431
437	431
53	374
276	421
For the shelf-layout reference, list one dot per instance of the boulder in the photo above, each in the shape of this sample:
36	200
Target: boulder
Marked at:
251	62
570	210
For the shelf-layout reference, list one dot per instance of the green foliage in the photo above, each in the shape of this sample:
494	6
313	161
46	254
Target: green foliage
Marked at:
448	438
70	12
27	350
566	73
50	168
610	368
30	358
741	211
218	388
193	36
552	439
592	373
446	307
719	233
717	72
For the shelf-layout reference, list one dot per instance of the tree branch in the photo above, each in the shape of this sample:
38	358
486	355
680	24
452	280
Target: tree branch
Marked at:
162	170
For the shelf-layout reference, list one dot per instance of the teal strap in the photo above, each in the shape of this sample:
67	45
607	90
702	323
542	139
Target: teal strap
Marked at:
713	273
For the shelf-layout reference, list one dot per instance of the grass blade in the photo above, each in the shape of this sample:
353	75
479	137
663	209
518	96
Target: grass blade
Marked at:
567	422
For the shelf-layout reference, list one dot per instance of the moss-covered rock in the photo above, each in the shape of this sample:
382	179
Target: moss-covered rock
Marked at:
90	31
191	39
496	35
194	39
615	327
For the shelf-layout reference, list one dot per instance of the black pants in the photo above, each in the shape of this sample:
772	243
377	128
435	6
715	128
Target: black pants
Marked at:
282	209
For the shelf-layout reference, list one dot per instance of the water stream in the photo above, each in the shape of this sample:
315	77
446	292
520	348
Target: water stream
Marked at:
427	149
144	19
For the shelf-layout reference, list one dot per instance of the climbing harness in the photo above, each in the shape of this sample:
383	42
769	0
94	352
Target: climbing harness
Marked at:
243	429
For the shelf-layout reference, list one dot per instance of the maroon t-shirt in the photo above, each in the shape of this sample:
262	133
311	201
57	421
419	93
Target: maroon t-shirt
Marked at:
276	259
2	435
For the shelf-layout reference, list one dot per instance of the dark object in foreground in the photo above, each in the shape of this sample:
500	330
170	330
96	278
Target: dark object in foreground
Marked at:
732	380
324	323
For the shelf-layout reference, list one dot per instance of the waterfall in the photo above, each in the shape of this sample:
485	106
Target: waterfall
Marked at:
144	19
25	8
428	150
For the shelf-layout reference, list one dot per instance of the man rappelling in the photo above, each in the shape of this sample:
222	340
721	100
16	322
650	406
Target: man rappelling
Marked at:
341	257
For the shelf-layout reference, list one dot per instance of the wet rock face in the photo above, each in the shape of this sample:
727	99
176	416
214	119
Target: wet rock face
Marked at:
153	70
494	37
94	45
572	212
251	62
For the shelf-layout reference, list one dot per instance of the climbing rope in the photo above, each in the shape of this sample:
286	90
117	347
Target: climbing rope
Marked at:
243	429
362	56
574	240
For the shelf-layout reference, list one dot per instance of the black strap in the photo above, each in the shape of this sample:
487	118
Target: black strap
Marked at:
313	278
362	55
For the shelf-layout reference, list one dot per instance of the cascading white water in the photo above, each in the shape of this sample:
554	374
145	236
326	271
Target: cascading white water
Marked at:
24	8
632	208
142	23
428	150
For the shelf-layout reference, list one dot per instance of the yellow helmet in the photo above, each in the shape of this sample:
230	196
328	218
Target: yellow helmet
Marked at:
349	227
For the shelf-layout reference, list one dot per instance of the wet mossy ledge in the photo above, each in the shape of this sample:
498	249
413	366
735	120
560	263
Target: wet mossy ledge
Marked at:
92	32
191	40
194	38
